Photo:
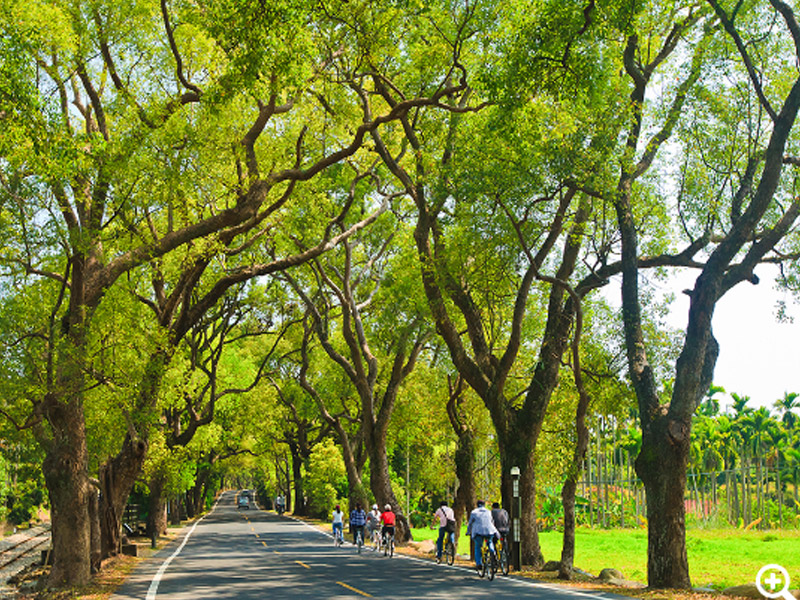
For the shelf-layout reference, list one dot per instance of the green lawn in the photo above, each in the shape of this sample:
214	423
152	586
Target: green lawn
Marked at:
718	557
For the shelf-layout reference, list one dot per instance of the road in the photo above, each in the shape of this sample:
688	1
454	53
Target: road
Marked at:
253	554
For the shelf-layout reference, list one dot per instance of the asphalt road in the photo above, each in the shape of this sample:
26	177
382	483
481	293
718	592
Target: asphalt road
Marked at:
253	554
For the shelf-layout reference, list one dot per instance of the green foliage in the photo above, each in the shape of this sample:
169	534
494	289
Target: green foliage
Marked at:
326	480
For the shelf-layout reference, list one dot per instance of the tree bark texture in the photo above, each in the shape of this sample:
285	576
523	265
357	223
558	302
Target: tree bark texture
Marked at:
65	470
157	507
464	458
117	476
661	465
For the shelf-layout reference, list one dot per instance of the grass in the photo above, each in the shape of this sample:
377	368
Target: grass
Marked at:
717	558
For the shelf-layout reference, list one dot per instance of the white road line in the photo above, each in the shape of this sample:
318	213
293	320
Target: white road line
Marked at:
153	590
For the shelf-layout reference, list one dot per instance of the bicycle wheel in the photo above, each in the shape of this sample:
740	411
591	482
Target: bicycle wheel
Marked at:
503	557
385	544
484	560
492	565
359	541
391	546
449	552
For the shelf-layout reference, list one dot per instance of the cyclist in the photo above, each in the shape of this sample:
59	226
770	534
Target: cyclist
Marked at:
338	523
500	519
280	504
447	525
482	530
358	518
374	524
388	520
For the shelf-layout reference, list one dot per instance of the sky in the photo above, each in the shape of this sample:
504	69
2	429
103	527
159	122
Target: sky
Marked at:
759	356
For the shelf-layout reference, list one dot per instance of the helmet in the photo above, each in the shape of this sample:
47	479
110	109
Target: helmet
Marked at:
388	507
374	507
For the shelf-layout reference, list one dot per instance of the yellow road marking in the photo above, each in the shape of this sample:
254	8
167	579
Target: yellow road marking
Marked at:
302	564
264	544
352	589
257	535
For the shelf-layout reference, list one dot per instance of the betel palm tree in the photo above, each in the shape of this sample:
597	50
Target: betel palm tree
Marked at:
709	407
730	443
743	427
760	419
776	458
739	405
785	407
793	461
696	446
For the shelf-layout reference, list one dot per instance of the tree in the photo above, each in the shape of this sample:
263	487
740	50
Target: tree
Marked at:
732	247
211	85
786	406
376	357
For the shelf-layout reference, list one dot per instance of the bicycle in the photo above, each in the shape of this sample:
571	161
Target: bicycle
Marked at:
387	542
338	537
501	549
488	560
359	539
375	538
449	550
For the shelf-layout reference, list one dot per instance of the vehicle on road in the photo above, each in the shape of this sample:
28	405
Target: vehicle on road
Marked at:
243	502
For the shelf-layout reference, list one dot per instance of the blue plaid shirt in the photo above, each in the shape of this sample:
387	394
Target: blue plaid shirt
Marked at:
358	517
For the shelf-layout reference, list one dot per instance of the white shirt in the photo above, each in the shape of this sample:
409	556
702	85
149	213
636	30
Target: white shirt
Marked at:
481	523
337	517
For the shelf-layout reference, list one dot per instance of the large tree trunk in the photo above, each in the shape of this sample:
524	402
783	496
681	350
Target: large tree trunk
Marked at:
465	473
65	470
117	477
566	566
464	459
96	559
157	508
661	465
381	486
516	451
297	475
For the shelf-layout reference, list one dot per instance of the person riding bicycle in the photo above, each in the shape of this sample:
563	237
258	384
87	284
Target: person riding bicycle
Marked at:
338	522
358	518
388	519
447	525
373	521
280	504
500	519
482	530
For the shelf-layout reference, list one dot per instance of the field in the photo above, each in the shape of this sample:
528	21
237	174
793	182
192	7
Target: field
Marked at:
717	558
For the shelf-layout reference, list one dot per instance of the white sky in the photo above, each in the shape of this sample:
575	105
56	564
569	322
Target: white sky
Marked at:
759	356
